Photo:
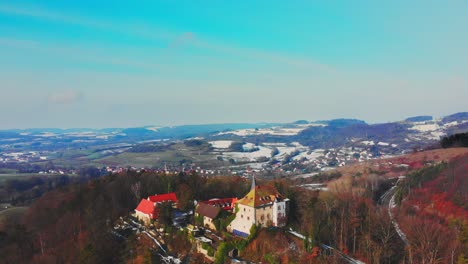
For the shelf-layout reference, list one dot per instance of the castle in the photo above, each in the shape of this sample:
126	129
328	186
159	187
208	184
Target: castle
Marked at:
263	206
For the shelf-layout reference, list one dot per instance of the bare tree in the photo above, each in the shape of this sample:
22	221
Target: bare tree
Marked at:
136	190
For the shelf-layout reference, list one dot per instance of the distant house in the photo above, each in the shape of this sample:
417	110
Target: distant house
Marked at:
145	211
209	213
263	206
227	204
148	209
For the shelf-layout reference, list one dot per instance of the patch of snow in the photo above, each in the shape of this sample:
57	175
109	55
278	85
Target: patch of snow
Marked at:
155	129
284	151
81	134
46	134
297	144
196	138
308	155
437	135
383	144
249	146
278	144
454	123
425	127
368	143
275	131
9	139
221	144
250	156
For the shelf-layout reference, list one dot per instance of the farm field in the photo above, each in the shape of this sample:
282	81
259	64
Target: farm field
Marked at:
176	155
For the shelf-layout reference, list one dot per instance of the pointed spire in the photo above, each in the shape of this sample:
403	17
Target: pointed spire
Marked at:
253	182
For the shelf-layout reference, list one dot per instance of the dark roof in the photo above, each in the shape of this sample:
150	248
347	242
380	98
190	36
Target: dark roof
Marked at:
208	210
224	203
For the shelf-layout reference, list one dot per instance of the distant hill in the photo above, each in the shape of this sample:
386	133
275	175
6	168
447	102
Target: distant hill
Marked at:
342	122
301	122
419	119
396	137
455	117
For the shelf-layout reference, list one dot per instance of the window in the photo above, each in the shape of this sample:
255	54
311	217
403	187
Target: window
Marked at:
248	218
279	207
242	216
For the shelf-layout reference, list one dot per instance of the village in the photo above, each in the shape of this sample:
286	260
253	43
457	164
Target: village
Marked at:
213	222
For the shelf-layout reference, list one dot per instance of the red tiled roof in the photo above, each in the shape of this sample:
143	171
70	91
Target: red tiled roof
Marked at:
167	197
146	207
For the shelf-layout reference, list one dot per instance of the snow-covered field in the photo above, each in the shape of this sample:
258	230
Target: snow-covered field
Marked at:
249	156
275	144
265	131
283	151
221	144
275	131
249	146
455	123
426	127
431	131
309	155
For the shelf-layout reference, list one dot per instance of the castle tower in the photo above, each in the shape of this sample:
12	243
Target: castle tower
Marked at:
253	182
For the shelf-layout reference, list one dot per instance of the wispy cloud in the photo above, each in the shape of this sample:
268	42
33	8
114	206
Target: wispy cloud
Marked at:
44	14
73	19
184	38
72	53
174	39
65	97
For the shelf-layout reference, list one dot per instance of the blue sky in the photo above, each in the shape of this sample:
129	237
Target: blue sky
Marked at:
121	64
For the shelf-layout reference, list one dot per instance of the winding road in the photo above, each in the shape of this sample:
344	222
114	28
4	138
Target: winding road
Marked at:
388	200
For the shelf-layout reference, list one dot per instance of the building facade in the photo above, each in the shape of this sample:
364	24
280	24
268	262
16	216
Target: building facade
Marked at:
263	206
